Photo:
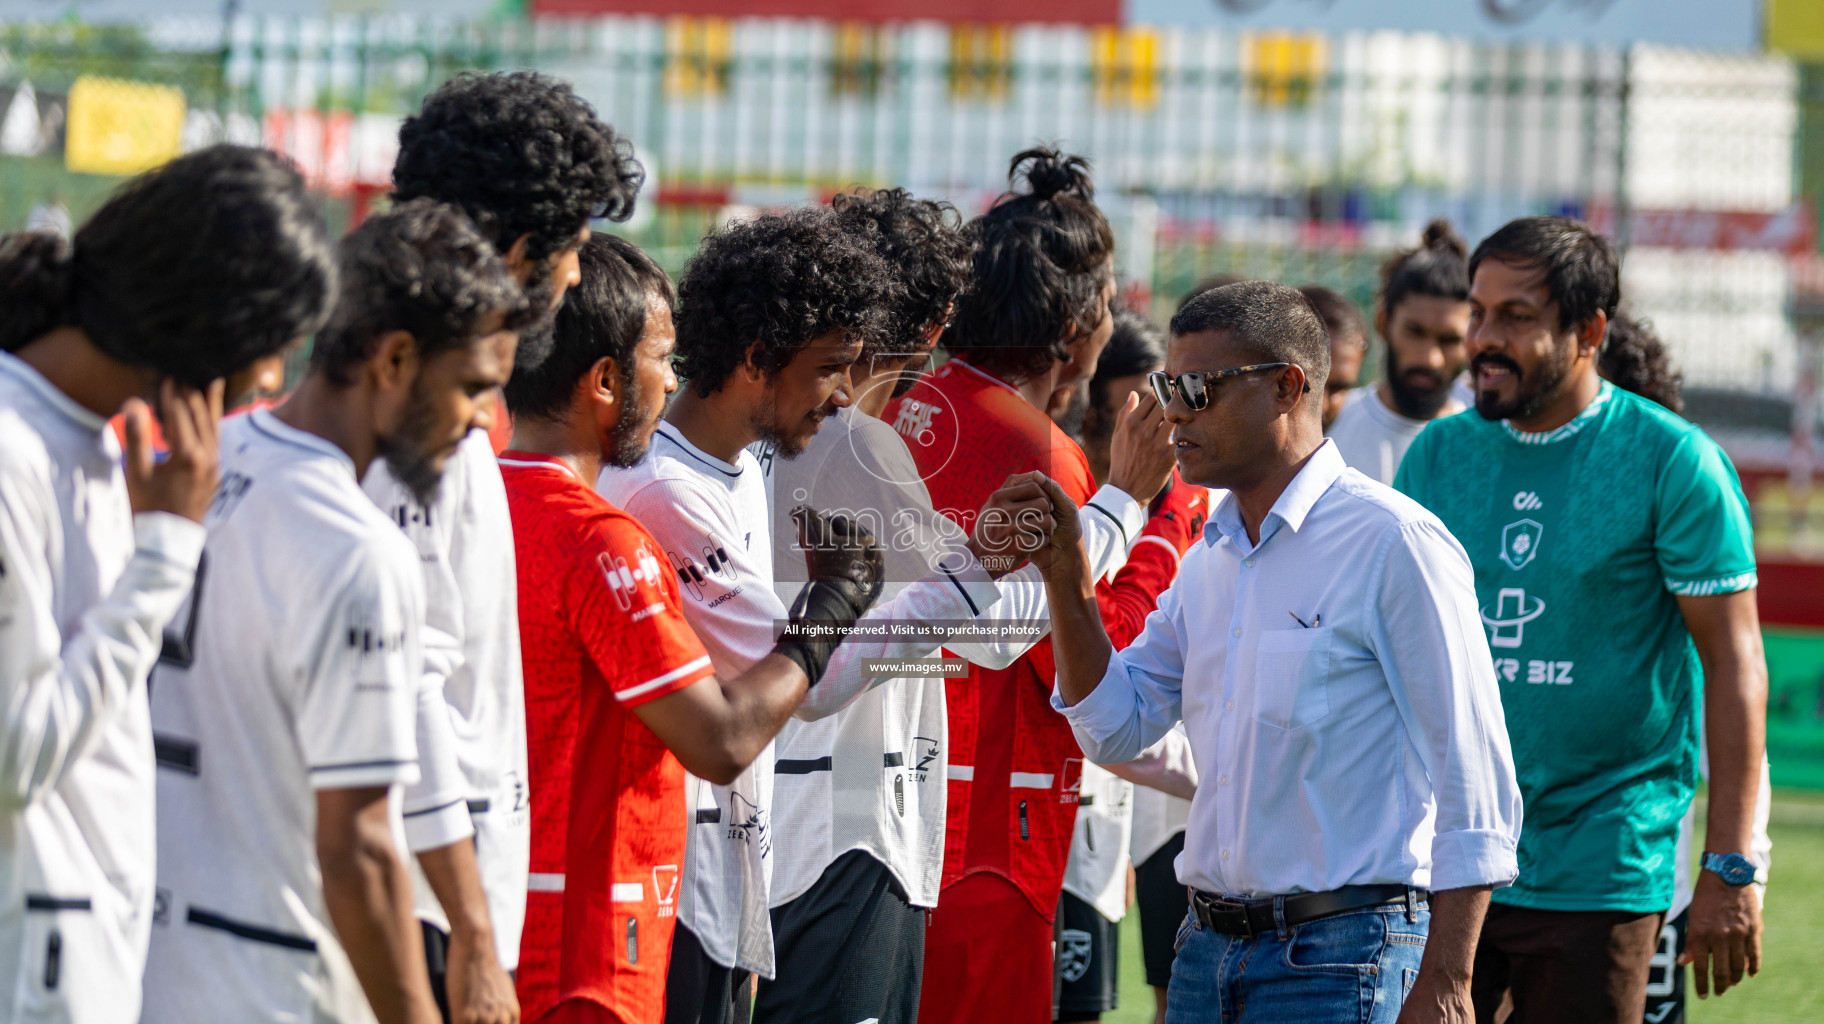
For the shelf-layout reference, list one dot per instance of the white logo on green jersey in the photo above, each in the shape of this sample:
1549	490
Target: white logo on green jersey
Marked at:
1512	613
1520	542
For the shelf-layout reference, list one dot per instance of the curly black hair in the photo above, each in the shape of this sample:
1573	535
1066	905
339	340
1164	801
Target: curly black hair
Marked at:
603	316
1633	358
195	270
1043	259
522	155
924	241
784	280
421	268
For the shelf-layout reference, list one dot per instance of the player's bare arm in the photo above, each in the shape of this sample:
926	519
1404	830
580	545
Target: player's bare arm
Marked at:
479	990
1724	942
717	727
369	898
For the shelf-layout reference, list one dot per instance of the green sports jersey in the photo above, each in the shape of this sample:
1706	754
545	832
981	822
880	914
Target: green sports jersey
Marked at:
1582	537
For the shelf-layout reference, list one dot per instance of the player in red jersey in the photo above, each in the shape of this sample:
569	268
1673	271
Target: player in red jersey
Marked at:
1035	322
621	698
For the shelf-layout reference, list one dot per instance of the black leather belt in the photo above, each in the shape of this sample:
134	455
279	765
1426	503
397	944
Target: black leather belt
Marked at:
1253	917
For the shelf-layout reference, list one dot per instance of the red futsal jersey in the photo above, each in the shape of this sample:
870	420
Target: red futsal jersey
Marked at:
601	632
1011	806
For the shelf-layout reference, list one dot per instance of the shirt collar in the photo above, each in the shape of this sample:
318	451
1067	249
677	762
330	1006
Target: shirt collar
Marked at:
266	423
1578	422
534	460
1295	502
52	396
963	364
676	436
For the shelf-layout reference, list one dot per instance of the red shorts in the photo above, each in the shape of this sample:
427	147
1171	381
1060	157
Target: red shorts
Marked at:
580	1011
988	956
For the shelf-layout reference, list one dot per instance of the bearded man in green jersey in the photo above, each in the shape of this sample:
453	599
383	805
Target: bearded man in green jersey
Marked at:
1615	569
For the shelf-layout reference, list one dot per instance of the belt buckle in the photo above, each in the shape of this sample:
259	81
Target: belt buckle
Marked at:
1210	907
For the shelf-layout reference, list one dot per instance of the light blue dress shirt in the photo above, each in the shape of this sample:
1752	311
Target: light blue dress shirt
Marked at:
1338	693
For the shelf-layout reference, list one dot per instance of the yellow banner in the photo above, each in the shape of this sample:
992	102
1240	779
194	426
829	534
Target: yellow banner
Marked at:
119	127
1796	27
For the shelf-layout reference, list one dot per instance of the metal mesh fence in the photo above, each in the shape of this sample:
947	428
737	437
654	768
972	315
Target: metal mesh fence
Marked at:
1295	156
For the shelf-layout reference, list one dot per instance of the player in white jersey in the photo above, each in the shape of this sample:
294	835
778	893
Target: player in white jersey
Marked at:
860	836
773	312
286	703
530	163
1422	316
197	271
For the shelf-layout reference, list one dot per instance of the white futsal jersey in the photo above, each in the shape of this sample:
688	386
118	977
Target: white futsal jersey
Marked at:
86	589
294	668
465	541
711	517
872	776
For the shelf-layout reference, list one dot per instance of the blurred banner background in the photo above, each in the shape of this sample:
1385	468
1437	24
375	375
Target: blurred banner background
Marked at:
1300	140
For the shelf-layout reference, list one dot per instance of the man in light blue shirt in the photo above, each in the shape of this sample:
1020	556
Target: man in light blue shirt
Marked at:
1324	650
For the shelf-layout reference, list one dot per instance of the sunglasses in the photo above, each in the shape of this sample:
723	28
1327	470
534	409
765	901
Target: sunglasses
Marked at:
1194	387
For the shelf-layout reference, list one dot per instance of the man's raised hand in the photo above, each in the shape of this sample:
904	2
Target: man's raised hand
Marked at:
1015	521
184	483
1063	551
1140	456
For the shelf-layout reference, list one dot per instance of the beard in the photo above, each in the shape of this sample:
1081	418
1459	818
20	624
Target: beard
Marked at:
1070	418
910	375
626	446
538	337
1535	391
1412	400
787	445
409	451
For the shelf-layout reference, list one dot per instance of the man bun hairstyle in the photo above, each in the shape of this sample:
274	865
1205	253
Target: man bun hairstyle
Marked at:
924	242
1271	323
784	280
195	270
424	269
521	154
1582	273
1438	268
1043	259
603	317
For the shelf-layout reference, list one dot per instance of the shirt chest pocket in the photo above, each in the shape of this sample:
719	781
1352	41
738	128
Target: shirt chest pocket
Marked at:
1292	677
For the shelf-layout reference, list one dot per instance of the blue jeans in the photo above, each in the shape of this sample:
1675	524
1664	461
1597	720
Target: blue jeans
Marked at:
1355	967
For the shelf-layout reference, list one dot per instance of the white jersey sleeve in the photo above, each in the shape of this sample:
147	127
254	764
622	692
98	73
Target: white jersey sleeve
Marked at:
58	691
1111	521
363	682
724	573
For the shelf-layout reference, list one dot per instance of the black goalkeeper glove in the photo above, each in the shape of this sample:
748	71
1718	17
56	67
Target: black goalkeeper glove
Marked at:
846	571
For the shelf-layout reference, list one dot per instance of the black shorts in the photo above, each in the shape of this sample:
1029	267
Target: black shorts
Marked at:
1088	960
1666	980
849	949
1162	901
437	962
700	991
